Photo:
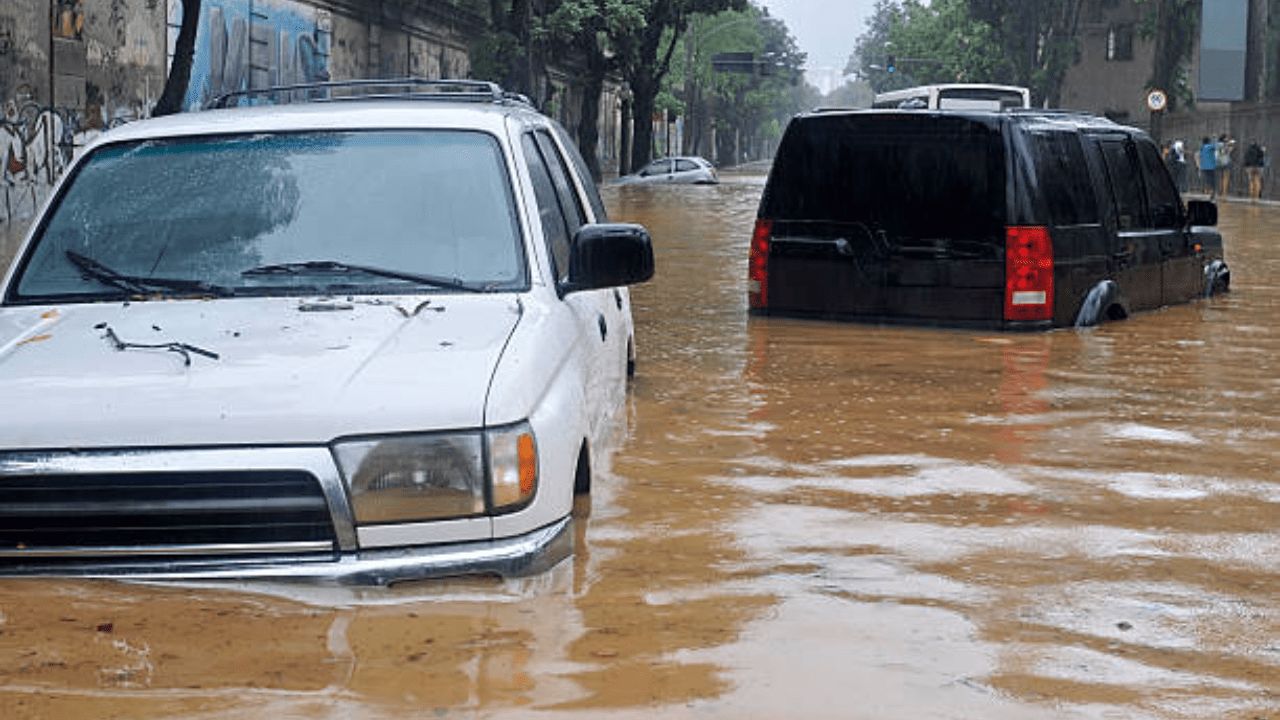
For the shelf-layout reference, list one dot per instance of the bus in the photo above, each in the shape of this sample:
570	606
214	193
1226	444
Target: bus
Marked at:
955	96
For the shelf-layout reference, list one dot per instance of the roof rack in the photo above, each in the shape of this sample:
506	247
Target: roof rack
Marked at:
1064	113
371	89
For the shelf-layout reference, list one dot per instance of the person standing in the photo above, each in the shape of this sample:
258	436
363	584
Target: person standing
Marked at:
1255	159
1207	159
1226	145
1177	160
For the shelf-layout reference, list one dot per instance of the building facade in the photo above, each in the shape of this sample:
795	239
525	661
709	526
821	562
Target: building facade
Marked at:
1113	75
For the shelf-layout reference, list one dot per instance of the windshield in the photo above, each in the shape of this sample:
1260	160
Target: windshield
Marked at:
375	212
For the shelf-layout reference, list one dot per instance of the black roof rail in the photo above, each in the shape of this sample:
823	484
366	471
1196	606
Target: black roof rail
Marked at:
373	89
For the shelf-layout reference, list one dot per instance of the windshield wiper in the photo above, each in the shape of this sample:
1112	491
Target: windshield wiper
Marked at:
333	266
142	285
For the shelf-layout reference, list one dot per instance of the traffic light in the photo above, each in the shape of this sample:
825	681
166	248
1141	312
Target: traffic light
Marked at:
891	64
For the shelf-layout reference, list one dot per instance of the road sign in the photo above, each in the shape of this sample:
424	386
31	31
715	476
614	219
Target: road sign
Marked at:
737	62
1157	100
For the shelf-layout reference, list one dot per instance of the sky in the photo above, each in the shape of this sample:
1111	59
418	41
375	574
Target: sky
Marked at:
826	30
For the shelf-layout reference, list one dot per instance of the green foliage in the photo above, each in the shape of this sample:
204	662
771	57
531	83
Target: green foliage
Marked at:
869	52
491	56
933	42
1037	37
941	42
752	107
1017	42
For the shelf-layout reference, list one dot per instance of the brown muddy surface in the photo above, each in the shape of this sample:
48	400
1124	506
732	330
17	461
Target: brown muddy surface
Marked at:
802	520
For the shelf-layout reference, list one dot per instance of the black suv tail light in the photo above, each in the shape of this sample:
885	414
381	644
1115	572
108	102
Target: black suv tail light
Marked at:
758	265
1028	284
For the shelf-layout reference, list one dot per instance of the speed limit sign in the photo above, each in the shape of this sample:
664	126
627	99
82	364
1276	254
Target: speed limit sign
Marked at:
1157	100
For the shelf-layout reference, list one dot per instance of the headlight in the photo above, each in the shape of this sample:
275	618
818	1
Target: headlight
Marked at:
414	478
513	458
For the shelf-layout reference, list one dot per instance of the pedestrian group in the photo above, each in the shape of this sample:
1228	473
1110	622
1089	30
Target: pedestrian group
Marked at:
1215	160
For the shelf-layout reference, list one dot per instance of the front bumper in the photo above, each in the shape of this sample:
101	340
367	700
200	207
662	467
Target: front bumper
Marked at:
262	513
529	554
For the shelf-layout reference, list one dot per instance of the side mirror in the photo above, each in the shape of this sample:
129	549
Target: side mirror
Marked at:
608	255
1202	213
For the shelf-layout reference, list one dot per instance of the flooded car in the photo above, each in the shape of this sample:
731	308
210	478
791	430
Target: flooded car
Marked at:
221	358
675	170
1018	220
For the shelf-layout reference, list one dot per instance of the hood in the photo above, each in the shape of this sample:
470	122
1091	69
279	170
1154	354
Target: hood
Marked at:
246	371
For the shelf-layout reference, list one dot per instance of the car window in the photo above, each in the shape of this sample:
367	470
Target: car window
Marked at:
1064	179
686	166
1126	184
657	167
566	193
435	203
554	226
588	182
1162	195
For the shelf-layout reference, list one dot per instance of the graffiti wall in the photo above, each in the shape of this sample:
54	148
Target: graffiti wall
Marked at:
244	44
68	70
36	143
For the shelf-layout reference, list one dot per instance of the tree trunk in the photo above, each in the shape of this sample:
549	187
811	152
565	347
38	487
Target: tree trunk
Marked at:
589	120
646	94
624	143
184	50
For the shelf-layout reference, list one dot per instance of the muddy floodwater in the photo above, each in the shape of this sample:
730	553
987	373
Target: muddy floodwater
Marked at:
800	520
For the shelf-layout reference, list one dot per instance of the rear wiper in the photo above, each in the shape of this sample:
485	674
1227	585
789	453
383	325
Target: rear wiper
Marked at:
333	266
142	285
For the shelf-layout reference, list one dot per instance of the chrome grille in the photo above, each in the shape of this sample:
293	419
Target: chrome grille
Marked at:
190	512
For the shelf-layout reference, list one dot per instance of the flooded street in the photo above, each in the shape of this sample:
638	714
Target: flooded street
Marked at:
802	520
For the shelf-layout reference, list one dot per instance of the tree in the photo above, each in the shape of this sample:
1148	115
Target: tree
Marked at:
589	29
175	85
1038	38
942	42
869	49
1173	25
1017	42
507	54
646	59
751	106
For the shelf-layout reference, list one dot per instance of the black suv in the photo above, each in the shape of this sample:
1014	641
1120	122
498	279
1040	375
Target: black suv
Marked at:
1022	219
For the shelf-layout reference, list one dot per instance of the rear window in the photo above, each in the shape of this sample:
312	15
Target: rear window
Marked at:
904	175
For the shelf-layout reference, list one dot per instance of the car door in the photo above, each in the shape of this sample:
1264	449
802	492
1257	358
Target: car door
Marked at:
1181	272
562	213
657	171
1136	243
686	171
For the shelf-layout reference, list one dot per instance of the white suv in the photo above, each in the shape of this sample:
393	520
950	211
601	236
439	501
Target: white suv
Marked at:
357	341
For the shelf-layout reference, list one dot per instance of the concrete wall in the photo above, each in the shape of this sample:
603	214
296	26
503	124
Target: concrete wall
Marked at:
1245	122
